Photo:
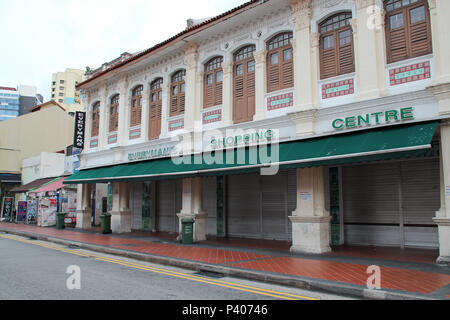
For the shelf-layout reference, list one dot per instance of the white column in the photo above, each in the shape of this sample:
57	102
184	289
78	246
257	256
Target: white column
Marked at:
192	207
369	50
260	84
310	221
191	101
305	51
104	121
124	111
121	214
305	64
227	94
145	119
84	209
443	215
165	112
439	10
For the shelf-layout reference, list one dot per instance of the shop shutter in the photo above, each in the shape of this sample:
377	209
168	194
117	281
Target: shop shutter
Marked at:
136	205
168	205
371	204
274	206
210	204
243	206
421	200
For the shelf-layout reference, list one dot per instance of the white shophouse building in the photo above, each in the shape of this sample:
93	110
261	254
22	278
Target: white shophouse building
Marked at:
357	92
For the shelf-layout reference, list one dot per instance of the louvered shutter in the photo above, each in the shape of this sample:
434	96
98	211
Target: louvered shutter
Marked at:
328	61
420	34
239	104
218	93
250	89
209	93
273	77
287	73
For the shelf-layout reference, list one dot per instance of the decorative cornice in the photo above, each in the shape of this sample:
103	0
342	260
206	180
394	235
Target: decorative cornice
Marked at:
440	91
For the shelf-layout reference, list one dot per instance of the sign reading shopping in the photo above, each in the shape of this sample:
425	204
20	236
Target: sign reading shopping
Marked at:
78	138
374	118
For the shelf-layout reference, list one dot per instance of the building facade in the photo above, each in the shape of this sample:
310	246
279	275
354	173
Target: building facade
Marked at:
351	98
64	89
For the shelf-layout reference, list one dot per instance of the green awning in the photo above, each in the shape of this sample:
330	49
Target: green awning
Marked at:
395	142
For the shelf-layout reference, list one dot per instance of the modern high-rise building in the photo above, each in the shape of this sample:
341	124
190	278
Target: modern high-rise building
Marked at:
9	103
15	102
64	91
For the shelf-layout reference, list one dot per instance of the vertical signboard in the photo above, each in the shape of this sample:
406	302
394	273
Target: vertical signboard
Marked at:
32	211
335	227
78	137
7	208
147	206
21	211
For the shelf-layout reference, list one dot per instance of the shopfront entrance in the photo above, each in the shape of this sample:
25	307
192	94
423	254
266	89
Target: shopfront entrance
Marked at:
392	203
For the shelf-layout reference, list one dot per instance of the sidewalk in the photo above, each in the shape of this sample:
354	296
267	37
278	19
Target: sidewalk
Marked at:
343	272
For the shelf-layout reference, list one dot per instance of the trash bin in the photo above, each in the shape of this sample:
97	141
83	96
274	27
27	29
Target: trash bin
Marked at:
187	230
60	220
106	223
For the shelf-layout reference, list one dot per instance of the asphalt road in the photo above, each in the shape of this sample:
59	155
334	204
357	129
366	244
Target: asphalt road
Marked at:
37	270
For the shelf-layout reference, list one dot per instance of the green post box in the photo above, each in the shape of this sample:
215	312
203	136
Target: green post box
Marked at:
187	230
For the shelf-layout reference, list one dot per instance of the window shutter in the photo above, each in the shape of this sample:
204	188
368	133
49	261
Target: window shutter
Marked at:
209	95
181	103
273	78
420	38
287	74
218	94
346	61
250	96
174	106
397	48
328	61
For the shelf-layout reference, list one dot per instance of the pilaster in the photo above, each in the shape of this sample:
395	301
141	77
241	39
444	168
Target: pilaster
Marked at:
227	94
124	111
439	10
310	221
121	214
192	207
260	84
191	99
84	207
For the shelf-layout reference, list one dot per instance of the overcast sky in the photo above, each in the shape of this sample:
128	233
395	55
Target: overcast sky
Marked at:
41	37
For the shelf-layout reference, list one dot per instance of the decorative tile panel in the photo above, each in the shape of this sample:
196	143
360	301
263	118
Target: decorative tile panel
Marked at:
176	124
93	143
280	101
338	89
134	133
112	138
212	116
411	73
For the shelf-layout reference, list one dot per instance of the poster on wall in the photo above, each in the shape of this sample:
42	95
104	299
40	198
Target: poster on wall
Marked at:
21	211
7	208
47	212
31	211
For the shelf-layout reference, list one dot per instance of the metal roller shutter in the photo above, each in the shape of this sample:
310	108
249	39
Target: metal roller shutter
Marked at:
210	204
243	206
371	204
274	206
421	200
168	205
136	205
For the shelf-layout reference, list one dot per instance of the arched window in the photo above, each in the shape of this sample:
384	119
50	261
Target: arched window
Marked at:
95	119
408	30
280	66
213	83
114	114
177	93
136	106
244	85
155	109
336	46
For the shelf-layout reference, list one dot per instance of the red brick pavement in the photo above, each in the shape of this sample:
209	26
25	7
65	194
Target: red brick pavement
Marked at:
391	278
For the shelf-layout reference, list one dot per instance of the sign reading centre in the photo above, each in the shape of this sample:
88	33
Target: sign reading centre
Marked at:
374	118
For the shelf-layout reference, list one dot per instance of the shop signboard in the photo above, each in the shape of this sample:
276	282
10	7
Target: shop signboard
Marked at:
21	211
78	139
7	208
47	212
32	211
